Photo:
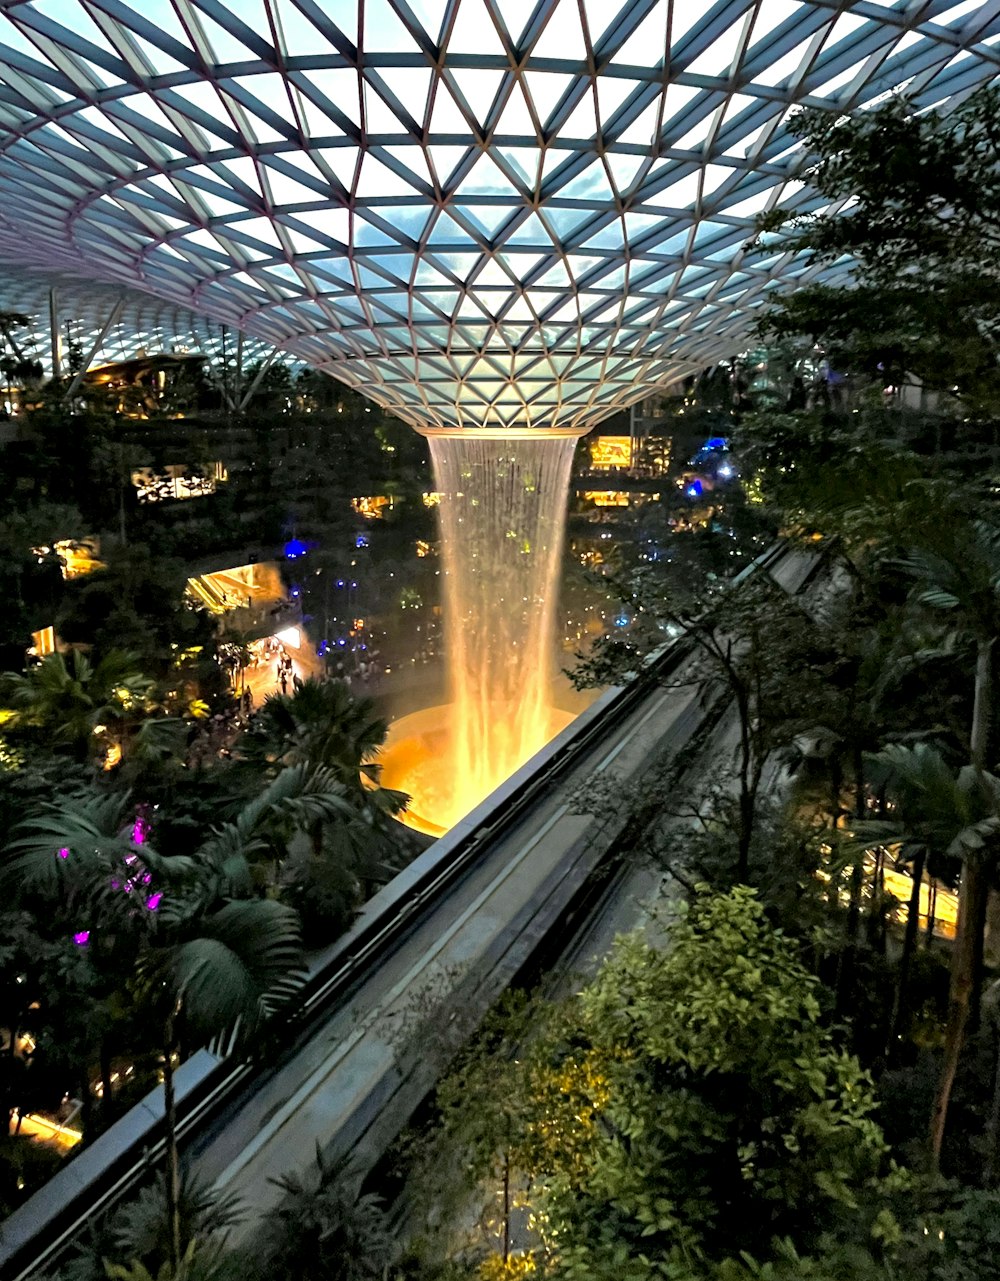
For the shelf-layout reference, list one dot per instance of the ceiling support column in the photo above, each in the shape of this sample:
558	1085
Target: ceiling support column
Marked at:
98	342
54	334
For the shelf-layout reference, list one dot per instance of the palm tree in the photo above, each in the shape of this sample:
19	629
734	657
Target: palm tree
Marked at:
939	815
74	699
964	579
210	957
322	724
77	855
214	970
324	1228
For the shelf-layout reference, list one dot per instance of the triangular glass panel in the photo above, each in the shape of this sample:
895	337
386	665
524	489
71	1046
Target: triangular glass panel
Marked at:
582	120
461	265
447	231
515	118
446	115
341	161
302	244
488	218
790	65
340	87
288	191
565	220
383	30
524	162
610	236
590	183
428	274
485	178
611	93
366	233
492	273
445	159
333	222
443	299
379	116
226	45
624	168
545	89
562	36
473	31
479	89
377	179
647	44
411	85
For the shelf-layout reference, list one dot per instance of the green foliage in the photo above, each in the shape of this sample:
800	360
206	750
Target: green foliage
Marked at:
323	723
132	1244
324	1230
135	603
922	226
688	1104
749	642
960	572
70	700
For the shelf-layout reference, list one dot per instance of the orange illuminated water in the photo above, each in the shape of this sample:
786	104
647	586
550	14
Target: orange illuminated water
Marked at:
417	759
502	517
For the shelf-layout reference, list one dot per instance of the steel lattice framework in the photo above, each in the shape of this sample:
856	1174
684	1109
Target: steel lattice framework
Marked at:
112	323
478	212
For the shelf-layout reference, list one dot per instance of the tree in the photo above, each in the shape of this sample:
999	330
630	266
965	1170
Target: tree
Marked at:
212	970
749	640
914	199
86	707
321	724
689	1104
210	957
136	602
965	579
939	816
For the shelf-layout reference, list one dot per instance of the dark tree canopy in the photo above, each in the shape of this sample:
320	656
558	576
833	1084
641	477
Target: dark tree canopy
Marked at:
914	200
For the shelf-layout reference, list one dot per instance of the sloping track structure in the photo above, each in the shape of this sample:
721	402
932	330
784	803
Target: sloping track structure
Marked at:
481	213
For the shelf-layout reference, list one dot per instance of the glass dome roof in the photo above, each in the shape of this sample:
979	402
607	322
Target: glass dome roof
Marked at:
479	213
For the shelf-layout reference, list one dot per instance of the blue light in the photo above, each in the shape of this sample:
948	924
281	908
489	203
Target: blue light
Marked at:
361	540
340	582
694	489
341	640
294	593
322	648
716	442
294	548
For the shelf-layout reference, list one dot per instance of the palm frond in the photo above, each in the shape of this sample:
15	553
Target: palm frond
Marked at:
89	830
246	961
299	793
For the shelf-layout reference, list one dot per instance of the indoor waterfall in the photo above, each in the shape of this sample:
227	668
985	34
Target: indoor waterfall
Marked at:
502	519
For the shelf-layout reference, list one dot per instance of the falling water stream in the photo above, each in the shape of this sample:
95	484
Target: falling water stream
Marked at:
502	518
503	513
